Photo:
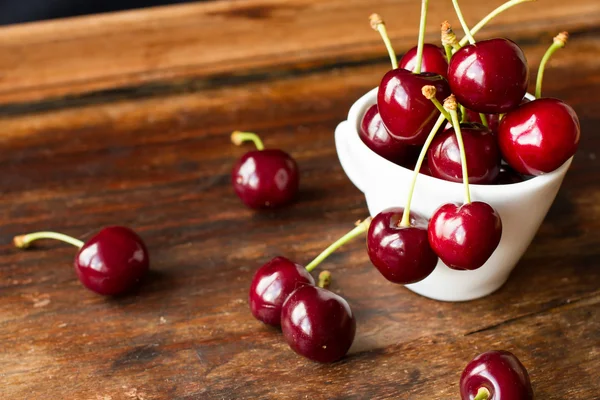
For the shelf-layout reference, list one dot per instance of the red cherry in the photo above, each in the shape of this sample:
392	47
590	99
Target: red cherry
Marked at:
406	113
493	120
539	136
508	176
318	324
464	237
482	152
272	284
500	373
374	134
265	179
401	254
434	60
113	261
489	76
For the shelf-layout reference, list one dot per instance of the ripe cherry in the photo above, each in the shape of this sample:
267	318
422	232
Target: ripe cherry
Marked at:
318	324
271	286
111	263
374	134
508	176
541	135
483	155
465	236
489	76
495	375
493	120
434	60
401	253
264	178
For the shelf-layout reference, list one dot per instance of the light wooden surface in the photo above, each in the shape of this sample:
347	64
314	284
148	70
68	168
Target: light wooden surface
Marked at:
125	119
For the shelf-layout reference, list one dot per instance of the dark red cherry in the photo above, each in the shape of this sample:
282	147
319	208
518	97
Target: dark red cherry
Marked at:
406	113
465	236
318	324
113	261
500	373
401	254
493	120
271	286
266	178
489	76
434	60
508	176
374	134
539	136
482	152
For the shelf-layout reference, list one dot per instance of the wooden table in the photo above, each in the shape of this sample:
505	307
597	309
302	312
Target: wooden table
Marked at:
124	119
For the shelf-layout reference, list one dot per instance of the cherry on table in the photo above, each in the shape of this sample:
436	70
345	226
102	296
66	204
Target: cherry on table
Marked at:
272	284
489	76
434	60
401	253
495	375
465	236
264	178
318	324
482	152
112	262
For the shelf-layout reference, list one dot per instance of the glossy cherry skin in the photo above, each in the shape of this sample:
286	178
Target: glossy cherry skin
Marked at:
374	134
266	179
508	176
501	373
489	76
272	284
318	324
401	254
434	60
113	261
481	148
493	120
406	113
465	236
539	136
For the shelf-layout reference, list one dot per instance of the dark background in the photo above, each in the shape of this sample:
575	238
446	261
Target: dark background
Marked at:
16	11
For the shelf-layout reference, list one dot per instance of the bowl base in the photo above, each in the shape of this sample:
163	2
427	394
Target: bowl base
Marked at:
430	291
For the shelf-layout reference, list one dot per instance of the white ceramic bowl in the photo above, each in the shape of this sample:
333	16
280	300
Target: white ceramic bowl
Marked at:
522	207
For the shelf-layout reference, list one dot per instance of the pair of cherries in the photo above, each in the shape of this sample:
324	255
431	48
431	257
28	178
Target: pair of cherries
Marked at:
110	263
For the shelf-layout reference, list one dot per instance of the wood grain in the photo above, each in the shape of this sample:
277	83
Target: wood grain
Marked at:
157	157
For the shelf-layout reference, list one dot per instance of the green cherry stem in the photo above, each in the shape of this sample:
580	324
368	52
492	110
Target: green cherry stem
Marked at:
559	42
357	231
484	120
450	105
463	113
24	241
377	24
463	23
491	16
406	216
429	92
449	40
239	137
324	279
482	394
421	41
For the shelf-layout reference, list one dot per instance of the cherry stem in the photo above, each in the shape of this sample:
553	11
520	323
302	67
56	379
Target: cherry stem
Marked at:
324	279
463	23
421	41
448	49
378	25
463	114
357	231
560	41
484	120
463	154
406	216
429	92
239	137
482	394
24	241
489	17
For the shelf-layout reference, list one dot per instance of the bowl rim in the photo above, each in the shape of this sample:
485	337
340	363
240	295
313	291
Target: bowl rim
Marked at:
368	99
